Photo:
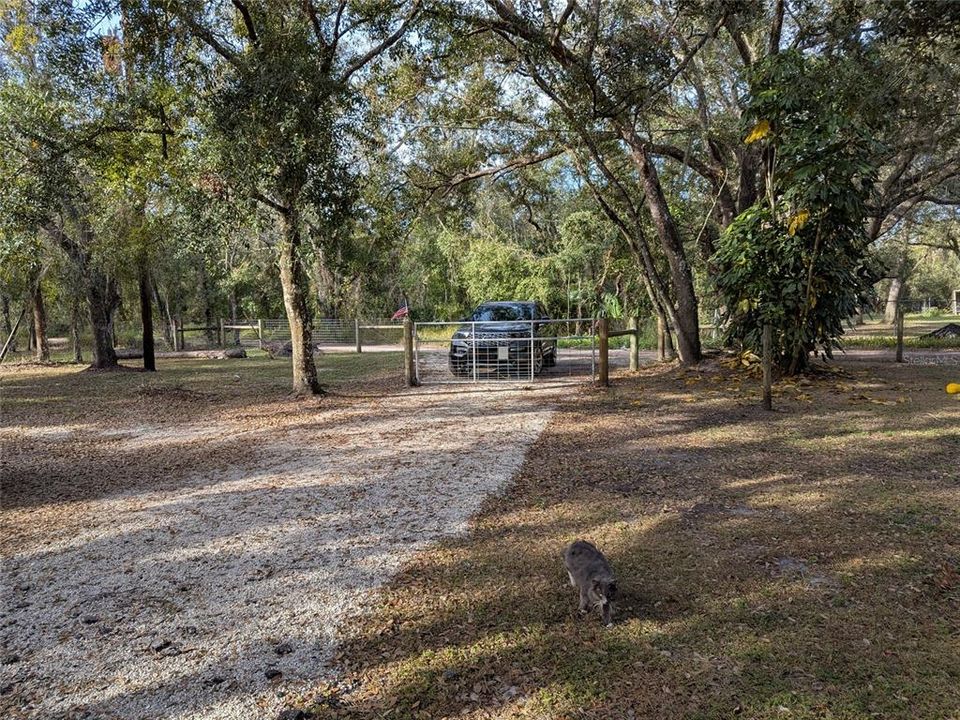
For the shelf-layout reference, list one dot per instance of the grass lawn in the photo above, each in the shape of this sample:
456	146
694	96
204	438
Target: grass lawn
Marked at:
877	334
797	564
215	383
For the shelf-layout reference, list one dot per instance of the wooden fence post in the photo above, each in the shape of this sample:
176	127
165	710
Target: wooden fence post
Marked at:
409	366
356	330
260	332
899	333
635	344
767	362
222	336
604	342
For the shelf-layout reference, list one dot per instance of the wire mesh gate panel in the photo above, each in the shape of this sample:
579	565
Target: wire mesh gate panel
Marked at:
514	351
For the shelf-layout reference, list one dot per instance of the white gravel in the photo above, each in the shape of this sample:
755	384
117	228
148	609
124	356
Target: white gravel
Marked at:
172	603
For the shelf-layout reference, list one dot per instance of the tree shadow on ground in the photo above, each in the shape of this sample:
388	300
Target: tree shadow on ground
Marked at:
153	568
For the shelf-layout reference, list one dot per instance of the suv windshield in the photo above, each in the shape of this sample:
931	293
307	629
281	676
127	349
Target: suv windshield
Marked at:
502	313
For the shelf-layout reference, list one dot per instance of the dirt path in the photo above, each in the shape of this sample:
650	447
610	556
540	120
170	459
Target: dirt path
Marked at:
220	592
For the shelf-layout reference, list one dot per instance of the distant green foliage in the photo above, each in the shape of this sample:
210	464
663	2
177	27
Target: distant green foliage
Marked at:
495	270
935	275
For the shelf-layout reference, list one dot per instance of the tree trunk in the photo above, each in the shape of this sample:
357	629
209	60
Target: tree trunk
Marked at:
662	335
101	290
893	301
747	188
103	298
40	324
75	331
664	338
684	315
579	302
631	228
7	326
687	321
146	319
233	315
13	331
163	305
208	333
293	279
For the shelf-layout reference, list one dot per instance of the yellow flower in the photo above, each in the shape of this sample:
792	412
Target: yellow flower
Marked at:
758	132
798	221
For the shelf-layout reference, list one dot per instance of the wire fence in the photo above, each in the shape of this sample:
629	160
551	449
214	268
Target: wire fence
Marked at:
539	349
575	340
272	334
328	333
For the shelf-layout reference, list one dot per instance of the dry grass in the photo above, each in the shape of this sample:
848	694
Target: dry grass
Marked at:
799	564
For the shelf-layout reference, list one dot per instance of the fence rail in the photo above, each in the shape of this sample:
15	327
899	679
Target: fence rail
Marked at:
328	333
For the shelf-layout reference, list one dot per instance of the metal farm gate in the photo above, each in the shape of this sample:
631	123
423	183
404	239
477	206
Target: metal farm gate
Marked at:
463	351
526	350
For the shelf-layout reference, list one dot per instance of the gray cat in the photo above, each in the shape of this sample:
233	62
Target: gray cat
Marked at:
590	572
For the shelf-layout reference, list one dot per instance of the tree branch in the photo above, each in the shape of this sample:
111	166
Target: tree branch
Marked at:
387	43
688	58
564	16
776	27
515	164
270	203
716	176
743	45
205	35
247	21
311	12
713	174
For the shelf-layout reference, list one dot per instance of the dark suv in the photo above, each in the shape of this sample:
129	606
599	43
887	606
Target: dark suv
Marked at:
508	338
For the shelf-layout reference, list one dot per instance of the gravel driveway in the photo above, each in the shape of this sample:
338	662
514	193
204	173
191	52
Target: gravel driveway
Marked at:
222	593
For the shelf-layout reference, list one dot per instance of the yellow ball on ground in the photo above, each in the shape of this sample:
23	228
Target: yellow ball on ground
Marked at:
953	389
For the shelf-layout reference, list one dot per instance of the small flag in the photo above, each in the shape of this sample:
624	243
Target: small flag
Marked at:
401	313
